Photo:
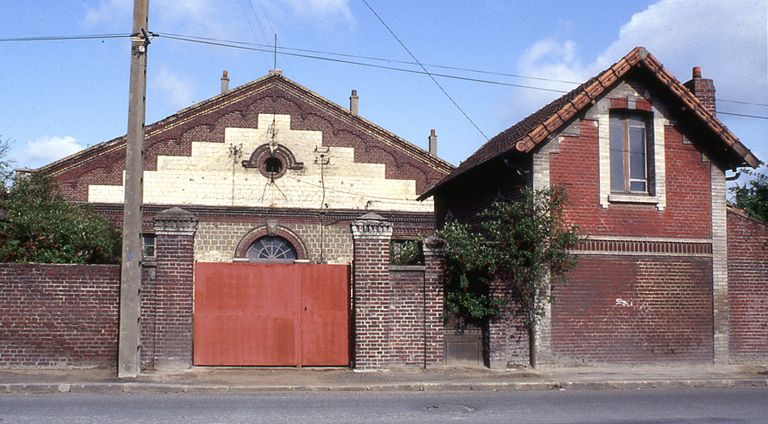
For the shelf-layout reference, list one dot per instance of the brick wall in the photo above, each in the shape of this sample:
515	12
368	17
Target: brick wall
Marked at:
58	315
747	288
687	213
634	309
398	311
407	341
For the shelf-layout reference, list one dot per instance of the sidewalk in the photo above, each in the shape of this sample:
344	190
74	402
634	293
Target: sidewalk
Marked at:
243	380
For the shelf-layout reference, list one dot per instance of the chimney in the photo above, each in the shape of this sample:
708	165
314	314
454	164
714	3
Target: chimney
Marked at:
432	143
224	82
703	89
353	103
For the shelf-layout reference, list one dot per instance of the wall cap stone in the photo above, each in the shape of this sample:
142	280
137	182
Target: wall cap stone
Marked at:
175	221
371	225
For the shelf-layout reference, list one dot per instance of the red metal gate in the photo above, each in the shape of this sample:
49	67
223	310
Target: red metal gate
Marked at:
271	314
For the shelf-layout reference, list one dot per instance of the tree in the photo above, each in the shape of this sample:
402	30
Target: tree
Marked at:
753	195
5	164
40	226
523	243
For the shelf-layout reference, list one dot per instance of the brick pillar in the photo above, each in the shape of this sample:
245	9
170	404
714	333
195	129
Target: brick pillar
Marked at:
371	236
498	336
721	308
174	250
434	334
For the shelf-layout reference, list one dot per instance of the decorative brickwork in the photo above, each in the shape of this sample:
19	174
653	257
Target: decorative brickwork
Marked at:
634	309
300	112
747	288
174	250
58	316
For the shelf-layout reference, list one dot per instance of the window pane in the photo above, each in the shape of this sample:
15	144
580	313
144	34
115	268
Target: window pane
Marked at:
637	186
616	133
637	153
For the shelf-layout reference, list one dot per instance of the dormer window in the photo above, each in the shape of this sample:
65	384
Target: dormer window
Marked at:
631	146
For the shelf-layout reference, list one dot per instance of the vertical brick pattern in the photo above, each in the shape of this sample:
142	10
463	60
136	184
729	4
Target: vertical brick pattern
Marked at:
506	339
58	316
434	301
148	313
174	250
748	288
407	344
371	296
634	309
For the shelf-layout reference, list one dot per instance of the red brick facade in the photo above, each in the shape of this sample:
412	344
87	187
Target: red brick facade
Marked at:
748	287
688	209
58	316
634	309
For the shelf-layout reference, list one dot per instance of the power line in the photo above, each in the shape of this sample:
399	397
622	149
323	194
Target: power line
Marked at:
283	50
244	46
66	37
742	102
425	69
270	49
719	112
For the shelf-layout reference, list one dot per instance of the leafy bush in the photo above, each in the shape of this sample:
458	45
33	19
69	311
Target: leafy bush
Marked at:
523	243
405	252
40	226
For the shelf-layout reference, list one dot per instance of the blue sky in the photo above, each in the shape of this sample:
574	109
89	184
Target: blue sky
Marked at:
62	96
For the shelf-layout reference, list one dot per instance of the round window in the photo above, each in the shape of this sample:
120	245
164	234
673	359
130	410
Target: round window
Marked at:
271	248
273	166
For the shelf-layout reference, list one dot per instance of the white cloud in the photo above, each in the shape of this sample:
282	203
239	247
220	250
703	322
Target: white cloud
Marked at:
727	39
174	89
43	150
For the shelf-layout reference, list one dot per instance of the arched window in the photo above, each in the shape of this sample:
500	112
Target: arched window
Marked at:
271	248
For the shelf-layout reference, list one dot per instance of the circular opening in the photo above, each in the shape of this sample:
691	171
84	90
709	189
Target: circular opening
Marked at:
273	166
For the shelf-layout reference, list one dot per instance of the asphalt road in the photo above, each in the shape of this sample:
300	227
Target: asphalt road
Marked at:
700	406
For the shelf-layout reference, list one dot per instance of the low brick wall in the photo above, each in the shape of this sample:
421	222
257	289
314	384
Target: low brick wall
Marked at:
634	309
58	316
748	288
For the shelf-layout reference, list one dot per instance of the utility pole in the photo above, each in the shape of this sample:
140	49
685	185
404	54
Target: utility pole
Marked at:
129	358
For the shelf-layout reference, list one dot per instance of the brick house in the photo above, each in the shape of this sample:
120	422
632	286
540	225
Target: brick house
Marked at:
268	216
643	159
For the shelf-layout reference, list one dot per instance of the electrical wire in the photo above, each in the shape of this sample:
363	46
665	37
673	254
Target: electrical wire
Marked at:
350	62
425	69
282	50
67	37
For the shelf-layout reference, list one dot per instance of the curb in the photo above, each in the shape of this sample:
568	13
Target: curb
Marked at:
137	387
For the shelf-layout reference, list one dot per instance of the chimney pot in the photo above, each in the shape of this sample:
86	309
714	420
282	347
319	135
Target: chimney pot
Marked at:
432	142
353	103
224	82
